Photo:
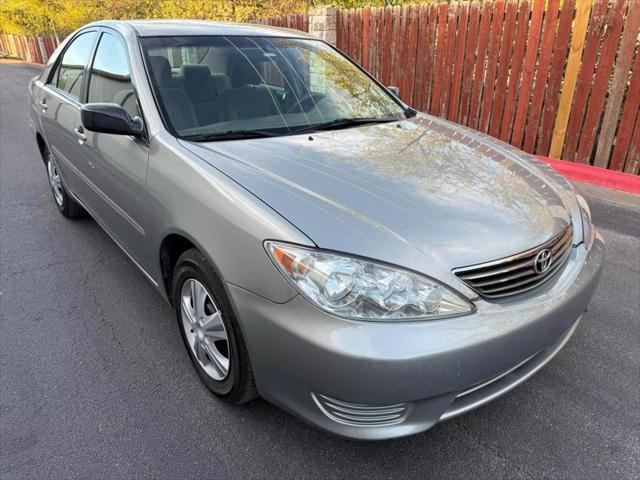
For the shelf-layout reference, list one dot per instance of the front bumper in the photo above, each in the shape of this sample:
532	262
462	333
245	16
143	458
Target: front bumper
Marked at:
436	369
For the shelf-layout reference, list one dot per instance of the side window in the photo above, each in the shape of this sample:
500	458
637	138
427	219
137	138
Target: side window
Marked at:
70	71
110	80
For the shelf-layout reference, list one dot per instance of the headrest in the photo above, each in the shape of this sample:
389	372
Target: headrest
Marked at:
222	81
243	73
161	70
196	72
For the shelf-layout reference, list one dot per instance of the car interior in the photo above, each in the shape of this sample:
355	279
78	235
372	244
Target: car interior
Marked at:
202	86
216	88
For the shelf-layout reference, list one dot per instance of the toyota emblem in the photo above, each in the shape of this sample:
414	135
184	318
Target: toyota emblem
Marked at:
542	262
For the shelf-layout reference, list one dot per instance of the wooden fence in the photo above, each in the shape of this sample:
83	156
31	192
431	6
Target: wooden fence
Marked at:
30	48
555	78
297	22
559	78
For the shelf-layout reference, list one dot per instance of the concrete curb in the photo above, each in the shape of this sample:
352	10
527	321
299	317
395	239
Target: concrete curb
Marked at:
580	172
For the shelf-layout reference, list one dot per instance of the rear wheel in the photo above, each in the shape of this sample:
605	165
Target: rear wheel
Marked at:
210	330
67	205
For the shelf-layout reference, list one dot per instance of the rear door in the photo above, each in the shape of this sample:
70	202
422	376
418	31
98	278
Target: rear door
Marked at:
59	105
115	166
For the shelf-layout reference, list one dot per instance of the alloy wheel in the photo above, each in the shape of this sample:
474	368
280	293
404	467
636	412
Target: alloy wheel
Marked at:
204	329
54	180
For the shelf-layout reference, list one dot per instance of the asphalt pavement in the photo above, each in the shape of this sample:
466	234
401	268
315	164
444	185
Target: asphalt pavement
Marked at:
95	381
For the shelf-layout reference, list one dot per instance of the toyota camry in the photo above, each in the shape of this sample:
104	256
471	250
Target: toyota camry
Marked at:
369	268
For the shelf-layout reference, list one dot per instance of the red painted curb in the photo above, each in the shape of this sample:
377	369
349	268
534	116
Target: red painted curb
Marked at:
580	172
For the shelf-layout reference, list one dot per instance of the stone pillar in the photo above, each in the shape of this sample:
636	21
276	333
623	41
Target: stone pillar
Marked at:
322	23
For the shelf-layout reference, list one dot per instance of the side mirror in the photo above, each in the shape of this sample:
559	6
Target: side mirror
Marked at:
394	90
110	118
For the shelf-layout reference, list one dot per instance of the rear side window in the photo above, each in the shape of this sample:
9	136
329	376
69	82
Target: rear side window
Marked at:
70	72
110	80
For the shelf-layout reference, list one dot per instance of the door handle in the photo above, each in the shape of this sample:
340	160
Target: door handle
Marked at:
79	133
43	104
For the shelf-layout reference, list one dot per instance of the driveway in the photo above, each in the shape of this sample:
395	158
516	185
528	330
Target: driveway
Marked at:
95	381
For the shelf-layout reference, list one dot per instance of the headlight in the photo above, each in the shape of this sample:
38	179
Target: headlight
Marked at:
587	225
359	289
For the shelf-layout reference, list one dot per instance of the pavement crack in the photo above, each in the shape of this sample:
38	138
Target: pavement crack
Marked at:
55	263
102	316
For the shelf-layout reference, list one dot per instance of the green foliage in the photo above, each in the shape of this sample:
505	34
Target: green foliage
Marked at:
63	16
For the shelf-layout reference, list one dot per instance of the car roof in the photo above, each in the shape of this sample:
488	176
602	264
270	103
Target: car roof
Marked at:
161	28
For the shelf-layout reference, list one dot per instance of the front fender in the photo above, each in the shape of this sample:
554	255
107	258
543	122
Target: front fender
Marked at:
226	222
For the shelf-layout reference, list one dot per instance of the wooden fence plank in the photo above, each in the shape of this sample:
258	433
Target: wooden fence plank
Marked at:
520	42
542	72
627	119
374	47
396	43
372	52
366	14
441	44
402	50
447	67
478	72
373	43
358	36
618	85
492	63
345	25
421	56
601	80
380	40
469	61
412	46
597	22
340	29
429	56
352	33
386	40
570	78
528	72
503	69
17	45
552	90
458	62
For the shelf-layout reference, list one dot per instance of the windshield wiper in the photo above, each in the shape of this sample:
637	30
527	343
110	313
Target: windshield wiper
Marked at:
228	135
339	123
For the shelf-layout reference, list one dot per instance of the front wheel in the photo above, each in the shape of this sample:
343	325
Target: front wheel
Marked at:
66	205
210	330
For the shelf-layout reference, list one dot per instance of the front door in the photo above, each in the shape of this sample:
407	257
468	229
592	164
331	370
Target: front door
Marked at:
115	166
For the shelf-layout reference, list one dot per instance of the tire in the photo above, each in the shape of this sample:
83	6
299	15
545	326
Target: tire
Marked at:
63	201
203	325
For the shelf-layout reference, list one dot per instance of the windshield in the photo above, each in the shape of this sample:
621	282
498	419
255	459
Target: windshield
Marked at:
237	87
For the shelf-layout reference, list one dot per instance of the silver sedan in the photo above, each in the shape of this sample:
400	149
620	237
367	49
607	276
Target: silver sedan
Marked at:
369	268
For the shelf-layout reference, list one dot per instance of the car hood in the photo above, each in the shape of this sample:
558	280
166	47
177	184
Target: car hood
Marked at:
421	193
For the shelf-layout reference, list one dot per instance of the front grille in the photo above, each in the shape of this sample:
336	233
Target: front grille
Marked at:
360	415
518	273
